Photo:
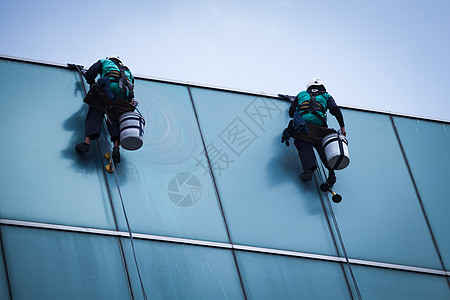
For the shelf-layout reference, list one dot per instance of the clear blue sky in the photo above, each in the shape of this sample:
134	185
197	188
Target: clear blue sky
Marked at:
385	54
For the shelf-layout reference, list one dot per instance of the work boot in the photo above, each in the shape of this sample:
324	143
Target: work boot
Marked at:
331	180
82	147
307	175
116	155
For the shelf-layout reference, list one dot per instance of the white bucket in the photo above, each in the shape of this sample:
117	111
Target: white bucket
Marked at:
335	147
131	130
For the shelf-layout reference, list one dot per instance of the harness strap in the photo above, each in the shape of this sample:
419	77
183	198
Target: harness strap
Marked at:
323	119
313	107
114	74
308	106
125	84
313	102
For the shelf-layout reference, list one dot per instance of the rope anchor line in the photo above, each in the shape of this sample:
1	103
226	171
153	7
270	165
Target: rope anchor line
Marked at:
126	220
321	176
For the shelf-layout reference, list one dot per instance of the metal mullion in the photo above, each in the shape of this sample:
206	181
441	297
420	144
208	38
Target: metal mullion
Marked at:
220	245
419	198
5	265
217	193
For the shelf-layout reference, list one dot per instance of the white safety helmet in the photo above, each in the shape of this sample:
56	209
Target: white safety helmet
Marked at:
314	81
114	56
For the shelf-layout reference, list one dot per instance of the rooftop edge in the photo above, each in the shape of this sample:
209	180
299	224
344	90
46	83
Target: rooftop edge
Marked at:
225	89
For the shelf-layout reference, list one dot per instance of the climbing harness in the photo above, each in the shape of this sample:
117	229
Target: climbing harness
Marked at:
113	108
312	106
125	84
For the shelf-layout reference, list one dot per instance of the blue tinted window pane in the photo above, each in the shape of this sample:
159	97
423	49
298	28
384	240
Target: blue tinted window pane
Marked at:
164	190
4	294
427	145
380	217
377	283
42	178
265	202
269	276
58	265
177	271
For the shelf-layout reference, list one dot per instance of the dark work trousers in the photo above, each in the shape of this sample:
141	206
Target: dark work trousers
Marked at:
94	123
306	154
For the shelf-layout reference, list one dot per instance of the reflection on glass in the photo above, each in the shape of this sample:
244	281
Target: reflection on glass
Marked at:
4	293
281	277
426	146
377	283
45	264
380	217
43	179
265	202
175	271
164	187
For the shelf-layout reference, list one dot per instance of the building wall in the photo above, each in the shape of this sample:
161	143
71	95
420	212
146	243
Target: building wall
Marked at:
214	200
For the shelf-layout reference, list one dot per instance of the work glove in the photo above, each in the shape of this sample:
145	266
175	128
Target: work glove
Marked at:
75	67
285	137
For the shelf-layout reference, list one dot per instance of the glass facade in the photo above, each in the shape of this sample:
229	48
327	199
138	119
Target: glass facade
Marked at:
214	200
426	147
4	289
376	283
42	179
245	151
380	216
282	277
176	271
60	265
157	176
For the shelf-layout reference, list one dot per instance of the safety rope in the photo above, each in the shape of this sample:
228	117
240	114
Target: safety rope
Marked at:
117	227
322	178
121	200
126	218
2	252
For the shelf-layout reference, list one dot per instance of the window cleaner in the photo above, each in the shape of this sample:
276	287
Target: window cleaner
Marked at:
113	95
309	128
